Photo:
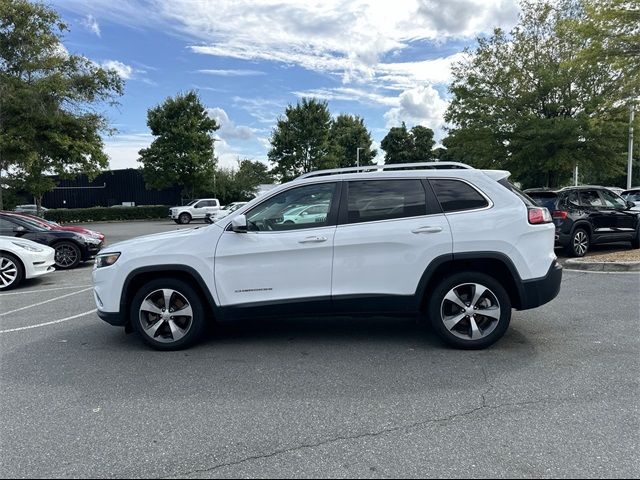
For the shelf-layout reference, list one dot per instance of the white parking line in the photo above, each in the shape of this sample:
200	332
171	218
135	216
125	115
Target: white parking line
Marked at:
45	301
42	290
49	323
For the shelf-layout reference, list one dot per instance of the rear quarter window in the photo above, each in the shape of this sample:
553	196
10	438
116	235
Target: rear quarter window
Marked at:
456	195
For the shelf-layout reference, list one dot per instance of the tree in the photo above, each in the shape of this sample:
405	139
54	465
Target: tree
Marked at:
346	134
241	183
408	146
182	152
397	145
48	121
524	102
300	140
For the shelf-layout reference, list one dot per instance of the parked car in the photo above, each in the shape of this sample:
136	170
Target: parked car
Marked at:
223	212
458	246
71	248
30	208
588	215
195	210
305	214
616	190
633	196
21	259
56	226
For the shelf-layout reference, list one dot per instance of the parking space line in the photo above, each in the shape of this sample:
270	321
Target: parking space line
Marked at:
42	290
45	301
49	323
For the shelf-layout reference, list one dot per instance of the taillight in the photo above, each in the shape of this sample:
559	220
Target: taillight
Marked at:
560	214
539	215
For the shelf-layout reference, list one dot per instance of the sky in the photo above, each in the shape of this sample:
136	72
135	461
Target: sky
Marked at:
387	61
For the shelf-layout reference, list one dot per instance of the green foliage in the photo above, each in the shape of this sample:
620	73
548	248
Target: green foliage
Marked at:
526	102
239	184
346	134
408	146
300	140
182	153
103	214
47	121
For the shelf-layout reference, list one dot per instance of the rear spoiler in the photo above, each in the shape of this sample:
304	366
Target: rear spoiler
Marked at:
497	175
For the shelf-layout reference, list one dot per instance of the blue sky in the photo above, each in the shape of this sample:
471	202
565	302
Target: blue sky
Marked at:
385	61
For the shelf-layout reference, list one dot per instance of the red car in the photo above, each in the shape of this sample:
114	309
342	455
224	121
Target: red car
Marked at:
48	224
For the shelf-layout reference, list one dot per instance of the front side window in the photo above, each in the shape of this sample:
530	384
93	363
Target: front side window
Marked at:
385	200
590	198
456	195
612	200
297	208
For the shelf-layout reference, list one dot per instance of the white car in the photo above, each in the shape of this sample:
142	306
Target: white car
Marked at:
195	210
226	210
21	259
306	214
456	246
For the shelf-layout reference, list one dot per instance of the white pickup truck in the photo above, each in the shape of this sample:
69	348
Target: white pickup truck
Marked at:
195	210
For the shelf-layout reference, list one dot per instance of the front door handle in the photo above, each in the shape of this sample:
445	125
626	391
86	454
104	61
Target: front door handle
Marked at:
427	229
313	240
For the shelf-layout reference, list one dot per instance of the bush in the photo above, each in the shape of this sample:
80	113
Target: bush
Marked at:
102	214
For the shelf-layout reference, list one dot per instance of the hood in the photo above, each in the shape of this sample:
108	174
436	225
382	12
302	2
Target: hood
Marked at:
149	242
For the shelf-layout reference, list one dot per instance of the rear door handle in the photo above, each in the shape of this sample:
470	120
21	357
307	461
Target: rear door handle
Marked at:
313	240
427	229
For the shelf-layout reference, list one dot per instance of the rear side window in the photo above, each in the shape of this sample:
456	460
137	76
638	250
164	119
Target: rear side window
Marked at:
370	201
547	200
455	195
590	198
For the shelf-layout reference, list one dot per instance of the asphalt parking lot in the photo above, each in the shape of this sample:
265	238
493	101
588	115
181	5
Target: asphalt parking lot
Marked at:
558	396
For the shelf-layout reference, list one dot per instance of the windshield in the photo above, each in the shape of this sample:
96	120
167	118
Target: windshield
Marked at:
545	199
192	203
25	222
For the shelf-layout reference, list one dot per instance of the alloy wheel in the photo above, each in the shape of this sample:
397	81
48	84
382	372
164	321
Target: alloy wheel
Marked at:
470	311
165	315
8	272
580	243
66	256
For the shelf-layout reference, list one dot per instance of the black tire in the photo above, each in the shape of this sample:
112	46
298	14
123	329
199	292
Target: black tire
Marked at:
68	255
11	271
184	218
164	332
460	335
579	243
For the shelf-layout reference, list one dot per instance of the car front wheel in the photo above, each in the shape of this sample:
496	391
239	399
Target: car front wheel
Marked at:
67	256
184	218
168	314
11	271
470	310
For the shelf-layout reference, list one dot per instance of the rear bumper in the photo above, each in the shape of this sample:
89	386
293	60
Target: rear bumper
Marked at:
539	291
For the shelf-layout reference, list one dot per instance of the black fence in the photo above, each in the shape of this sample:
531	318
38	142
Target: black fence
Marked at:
109	188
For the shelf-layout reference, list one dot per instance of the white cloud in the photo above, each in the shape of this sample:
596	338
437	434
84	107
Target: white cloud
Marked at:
232	73
419	106
123	149
90	23
122	69
228	129
262	109
349	94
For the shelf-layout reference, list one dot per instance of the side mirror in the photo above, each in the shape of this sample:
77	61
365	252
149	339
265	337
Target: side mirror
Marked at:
239	224
19	229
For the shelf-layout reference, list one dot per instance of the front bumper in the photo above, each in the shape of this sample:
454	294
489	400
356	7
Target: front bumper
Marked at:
539	291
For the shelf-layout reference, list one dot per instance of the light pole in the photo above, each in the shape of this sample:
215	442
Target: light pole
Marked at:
358	155
630	152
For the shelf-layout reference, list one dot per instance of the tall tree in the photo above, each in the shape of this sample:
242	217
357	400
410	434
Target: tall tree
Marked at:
397	145
49	122
408	146
522	101
241	183
300	140
347	134
182	152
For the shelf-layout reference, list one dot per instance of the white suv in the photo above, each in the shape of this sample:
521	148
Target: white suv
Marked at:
195	210
454	245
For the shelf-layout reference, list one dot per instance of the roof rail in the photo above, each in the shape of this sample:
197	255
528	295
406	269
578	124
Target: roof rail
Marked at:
392	166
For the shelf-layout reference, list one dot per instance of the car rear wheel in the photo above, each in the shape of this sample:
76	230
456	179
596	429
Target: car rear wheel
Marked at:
168	314
184	218
579	244
470	310
11	271
68	255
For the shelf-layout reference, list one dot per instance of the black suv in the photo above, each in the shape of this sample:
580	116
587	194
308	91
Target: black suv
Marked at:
588	215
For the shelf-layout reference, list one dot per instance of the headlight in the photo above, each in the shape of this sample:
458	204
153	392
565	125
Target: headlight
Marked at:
106	259
89	239
28	247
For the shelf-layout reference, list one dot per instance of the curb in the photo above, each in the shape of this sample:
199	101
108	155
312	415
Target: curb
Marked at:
576	264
